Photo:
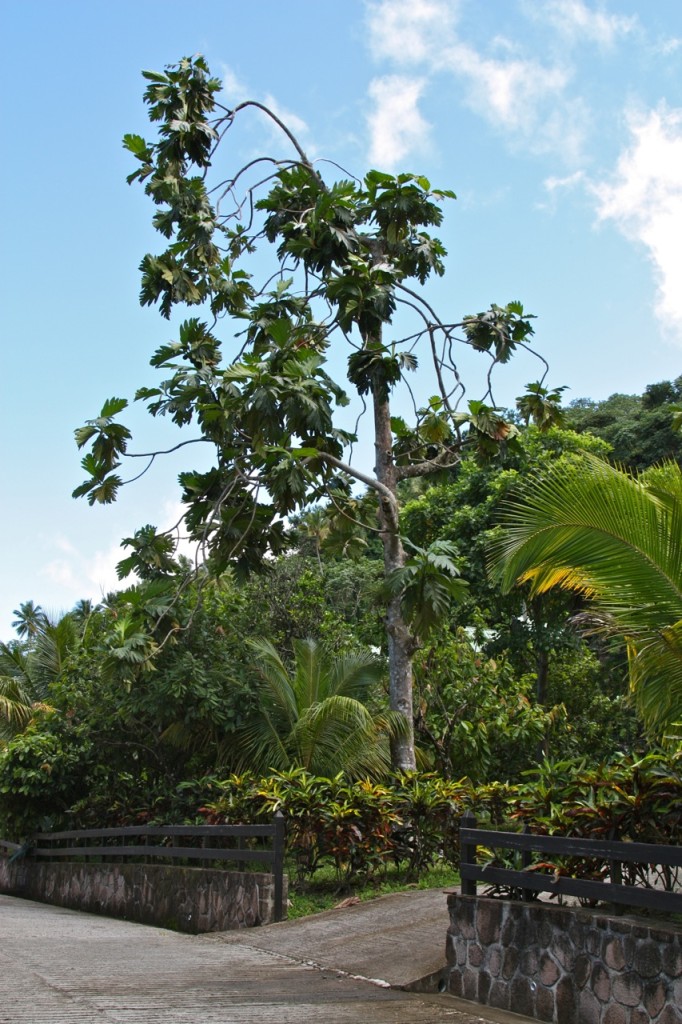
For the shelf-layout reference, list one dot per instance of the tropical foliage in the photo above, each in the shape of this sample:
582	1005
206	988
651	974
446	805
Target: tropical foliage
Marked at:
346	256
340	627
641	430
632	799
476	717
360	827
28	670
617	540
315	716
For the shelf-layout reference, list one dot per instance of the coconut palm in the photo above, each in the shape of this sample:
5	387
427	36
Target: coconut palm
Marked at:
29	619
616	539
26	671
20	695
315	716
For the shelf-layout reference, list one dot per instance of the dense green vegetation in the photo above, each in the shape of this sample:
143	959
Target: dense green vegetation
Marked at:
344	652
245	673
330	313
522	712
639	428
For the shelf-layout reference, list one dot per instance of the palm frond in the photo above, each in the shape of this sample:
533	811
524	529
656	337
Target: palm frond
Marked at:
275	680
655	664
315	716
595	529
18	705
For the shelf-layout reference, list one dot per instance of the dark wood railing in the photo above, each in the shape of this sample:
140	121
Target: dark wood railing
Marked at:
166	842
530	882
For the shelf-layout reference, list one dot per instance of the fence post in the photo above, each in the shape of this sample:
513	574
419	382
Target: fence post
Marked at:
616	874
278	863
526	861
468	853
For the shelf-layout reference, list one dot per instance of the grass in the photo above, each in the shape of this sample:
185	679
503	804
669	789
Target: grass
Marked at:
325	891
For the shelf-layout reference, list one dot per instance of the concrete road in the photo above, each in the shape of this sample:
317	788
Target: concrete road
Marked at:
59	966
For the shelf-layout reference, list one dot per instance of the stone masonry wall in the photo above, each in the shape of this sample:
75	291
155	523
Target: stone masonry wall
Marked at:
564	964
193	900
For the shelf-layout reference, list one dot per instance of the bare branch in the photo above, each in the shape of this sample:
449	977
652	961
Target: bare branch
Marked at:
280	124
363	478
441	462
537	356
166	451
326	160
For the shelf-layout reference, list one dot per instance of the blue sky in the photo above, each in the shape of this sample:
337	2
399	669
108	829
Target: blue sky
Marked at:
558	124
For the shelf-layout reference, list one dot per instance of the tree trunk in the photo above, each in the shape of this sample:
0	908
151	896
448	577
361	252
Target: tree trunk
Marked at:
541	667
401	643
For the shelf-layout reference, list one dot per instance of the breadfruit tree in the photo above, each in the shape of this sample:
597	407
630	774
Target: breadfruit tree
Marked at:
287	264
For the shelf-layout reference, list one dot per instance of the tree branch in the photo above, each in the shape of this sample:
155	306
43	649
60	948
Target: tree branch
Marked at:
426	467
167	451
289	134
363	478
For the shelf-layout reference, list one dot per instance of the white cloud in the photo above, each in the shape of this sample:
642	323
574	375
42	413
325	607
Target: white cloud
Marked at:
553	184
77	572
100	570
524	98
506	92
668	46
61	571
644	200
410	31
82	575
396	125
562	131
65	545
296	125
576	21
235	91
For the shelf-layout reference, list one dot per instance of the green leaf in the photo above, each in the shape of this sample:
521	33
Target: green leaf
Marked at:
379	178
135	144
84	434
155	76
399	427
113	406
280	331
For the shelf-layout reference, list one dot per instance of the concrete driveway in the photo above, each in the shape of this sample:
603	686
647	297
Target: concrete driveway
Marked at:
59	966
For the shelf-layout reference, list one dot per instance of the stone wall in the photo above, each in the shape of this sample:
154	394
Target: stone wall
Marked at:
190	900
568	965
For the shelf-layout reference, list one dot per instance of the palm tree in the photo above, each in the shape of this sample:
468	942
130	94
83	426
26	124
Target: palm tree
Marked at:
29	619
26	674
315	716
617	540
20	695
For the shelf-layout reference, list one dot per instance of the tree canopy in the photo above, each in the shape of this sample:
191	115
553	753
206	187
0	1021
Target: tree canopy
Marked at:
346	252
641	429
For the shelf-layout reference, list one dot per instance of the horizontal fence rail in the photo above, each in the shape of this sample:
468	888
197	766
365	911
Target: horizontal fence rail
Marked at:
165	842
531	878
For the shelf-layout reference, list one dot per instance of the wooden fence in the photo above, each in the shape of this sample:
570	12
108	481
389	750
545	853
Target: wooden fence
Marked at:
205	844
606	857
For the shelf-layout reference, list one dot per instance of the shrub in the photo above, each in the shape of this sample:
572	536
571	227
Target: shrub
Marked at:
359	827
